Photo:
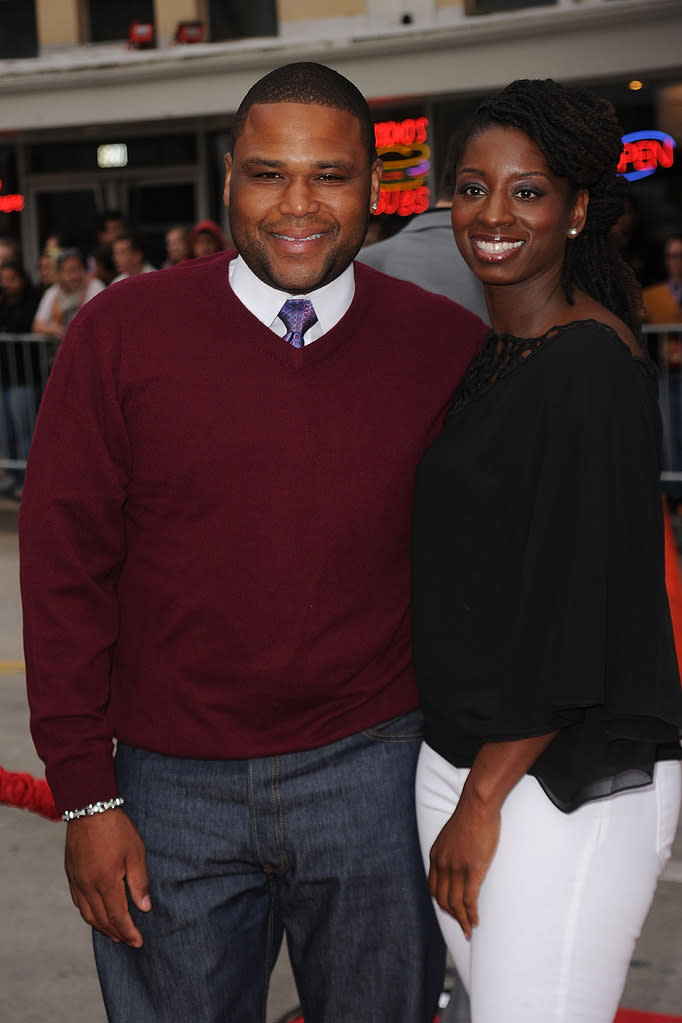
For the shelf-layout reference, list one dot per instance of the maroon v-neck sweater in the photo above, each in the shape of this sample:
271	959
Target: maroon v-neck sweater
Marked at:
215	529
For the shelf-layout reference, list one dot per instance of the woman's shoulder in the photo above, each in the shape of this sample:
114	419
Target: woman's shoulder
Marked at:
596	341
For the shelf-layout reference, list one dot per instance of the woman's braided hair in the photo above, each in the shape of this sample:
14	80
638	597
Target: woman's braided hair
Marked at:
580	138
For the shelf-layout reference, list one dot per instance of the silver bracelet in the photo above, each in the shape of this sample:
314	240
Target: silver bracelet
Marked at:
92	808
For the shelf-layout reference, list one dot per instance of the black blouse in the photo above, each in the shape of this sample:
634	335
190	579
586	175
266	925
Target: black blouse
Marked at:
539	598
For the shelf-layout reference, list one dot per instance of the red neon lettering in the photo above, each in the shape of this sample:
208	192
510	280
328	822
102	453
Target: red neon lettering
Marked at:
646	154
625	158
422	124
422	197
405	203
11	203
401	133
665	154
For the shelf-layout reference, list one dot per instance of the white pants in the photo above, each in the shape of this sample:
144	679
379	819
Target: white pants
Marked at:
564	900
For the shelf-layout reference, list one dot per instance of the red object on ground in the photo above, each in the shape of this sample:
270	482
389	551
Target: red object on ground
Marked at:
622	1016
633	1016
673	583
27	792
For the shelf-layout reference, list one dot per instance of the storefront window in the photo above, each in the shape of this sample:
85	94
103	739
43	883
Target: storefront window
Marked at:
147	151
11	201
18	33
234	19
109	21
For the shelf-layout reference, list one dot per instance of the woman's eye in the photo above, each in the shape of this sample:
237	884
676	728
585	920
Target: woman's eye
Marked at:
470	189
528	193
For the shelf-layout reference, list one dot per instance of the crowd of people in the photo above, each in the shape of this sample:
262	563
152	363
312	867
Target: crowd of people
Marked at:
67	278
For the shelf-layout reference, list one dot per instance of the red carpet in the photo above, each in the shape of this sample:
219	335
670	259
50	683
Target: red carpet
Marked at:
673	582
630	1016
622	1016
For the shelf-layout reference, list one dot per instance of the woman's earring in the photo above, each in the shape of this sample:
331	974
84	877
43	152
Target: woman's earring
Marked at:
573	232
374	207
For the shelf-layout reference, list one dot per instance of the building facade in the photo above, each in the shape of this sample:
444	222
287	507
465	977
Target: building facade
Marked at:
129	105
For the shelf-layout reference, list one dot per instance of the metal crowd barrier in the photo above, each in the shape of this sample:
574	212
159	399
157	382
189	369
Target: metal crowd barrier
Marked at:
25	361
664	343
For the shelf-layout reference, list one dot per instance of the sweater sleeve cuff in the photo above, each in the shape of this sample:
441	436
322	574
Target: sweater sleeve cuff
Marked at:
79	782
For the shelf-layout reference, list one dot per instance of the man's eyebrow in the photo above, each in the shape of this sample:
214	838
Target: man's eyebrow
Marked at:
264	161
261	161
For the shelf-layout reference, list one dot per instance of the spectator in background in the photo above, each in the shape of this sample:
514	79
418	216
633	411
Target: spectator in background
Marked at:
663	301
47	271
103	266
178	245
109	225
19	370
206	238
129	256
425	253
10	249
61	302
663	304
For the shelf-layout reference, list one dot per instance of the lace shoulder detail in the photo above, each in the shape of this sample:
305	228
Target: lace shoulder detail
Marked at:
499	356
502	354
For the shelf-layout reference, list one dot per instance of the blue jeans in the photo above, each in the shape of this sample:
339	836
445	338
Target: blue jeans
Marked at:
321	846
19	408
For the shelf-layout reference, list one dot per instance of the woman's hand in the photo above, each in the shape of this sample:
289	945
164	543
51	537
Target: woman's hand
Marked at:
460	858
462	853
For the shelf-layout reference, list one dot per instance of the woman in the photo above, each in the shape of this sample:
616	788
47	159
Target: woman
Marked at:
548	786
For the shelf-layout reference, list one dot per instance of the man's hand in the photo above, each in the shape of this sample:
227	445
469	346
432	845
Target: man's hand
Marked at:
103	853
460	858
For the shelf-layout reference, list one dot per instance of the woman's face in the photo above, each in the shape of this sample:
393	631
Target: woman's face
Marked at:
511	216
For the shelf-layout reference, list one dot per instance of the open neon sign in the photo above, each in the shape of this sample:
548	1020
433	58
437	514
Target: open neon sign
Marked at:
644	152
402	145
11	203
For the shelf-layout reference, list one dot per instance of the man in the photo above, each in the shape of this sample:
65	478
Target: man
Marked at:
178	247
129	256
62	300
216	573
109	225
425	253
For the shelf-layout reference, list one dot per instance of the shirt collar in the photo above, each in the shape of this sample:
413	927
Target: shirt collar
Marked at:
331	302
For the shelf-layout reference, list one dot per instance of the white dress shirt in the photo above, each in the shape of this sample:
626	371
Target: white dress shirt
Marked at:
331	302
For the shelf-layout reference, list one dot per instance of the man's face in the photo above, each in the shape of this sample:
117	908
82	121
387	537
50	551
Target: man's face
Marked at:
71	274
299	187
112	228
176	246
126	259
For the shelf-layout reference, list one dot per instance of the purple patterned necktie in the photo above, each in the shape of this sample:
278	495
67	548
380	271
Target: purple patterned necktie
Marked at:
297	314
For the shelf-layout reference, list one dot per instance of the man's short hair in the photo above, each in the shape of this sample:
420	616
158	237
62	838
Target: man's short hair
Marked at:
137	243
314	84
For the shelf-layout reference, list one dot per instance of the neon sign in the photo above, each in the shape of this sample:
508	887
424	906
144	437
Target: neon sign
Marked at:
644	152
11	203
402	145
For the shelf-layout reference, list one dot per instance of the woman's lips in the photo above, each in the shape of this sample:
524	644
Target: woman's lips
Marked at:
495	250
